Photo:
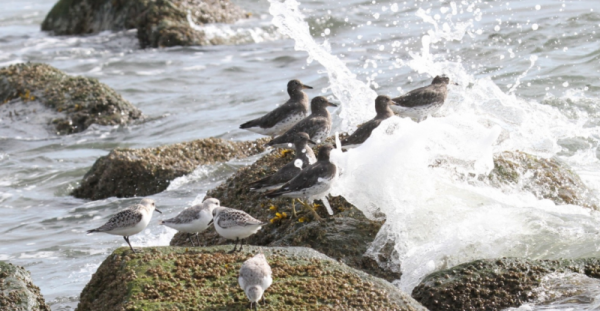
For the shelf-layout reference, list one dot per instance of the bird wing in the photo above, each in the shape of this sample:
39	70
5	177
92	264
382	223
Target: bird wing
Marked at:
362	133
309	125
307	178
187	215
420	97
124	218
237	219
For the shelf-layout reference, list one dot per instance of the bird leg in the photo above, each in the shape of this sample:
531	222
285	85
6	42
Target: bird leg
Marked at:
242	244
191	236
127	240
198	238
311	208
234	246
294	208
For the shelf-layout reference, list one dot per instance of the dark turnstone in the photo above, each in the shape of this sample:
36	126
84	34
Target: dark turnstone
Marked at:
304	157
255	277
234	224
285	116
131	221
317	125
194	219
312	183
382	107
420	103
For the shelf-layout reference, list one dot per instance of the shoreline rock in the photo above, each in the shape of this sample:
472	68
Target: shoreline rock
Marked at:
493	284
17	291
146	171
81	101
160	23
166	278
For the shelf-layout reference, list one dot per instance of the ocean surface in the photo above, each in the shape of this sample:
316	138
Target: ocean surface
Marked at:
528	75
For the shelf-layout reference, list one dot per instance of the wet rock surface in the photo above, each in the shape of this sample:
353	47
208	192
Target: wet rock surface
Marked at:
493	284
344	236
545	178
177	278
146	171
17	291
79	101
160	23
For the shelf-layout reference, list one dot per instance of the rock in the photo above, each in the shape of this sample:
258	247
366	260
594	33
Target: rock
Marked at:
344	236
494	284
142	172
545	178
169	278
17	292
80	101
160	23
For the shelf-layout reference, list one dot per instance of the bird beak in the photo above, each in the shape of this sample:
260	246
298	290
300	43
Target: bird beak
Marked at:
156	209
332	105
306	87
312	142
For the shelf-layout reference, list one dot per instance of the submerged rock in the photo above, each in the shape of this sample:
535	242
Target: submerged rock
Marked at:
167	278
494	284
17	292
160	23
79	101
344	236
545	178
146	171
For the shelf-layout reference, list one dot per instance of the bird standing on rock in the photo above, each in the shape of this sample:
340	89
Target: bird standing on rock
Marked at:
382	107
314	182
422	102
317	125
285	116
255	277
194	219
131	221
234	224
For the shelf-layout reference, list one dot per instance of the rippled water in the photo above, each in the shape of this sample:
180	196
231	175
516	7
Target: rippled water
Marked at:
533	65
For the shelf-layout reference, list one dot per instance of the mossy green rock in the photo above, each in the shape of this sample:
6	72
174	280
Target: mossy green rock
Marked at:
168	278
493	284
160	23
146	171
344	236
17	292
83	101
545	178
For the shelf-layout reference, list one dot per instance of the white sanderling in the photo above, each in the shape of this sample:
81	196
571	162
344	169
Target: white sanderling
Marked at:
194	219
130	221
314	182
255	278
235	225
420	103
382	107
317	125
285	116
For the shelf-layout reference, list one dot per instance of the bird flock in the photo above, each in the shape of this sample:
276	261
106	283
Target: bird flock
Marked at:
305	179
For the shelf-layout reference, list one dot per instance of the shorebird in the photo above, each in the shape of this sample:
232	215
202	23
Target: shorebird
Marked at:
317	125
382	107
194	219
255	277
130	221
422	102
312	183
235	224
285	116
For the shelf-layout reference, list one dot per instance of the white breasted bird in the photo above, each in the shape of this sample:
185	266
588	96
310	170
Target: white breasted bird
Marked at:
194	219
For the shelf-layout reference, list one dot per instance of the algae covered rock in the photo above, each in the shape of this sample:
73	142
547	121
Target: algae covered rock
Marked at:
545	178
17	292
168	278
146	171
344	236
494	284
80	101
160	23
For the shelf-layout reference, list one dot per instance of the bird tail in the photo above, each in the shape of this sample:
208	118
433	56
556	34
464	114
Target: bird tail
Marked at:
274	193
92	231
161	222
249	124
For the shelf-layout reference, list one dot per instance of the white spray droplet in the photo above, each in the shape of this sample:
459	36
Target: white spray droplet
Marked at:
304	150
538	7
534	26
566	84
497	28
394	7
326	31
298	163
376	15
290	145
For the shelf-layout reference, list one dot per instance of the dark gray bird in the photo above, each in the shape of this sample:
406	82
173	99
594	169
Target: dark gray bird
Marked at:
304	157
317	125
312	183
382	107
422	102
285	116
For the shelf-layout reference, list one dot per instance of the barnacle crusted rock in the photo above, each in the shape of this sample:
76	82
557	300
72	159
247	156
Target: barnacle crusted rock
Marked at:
17	292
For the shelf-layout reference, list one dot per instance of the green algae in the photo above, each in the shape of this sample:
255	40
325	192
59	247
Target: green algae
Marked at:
166	278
